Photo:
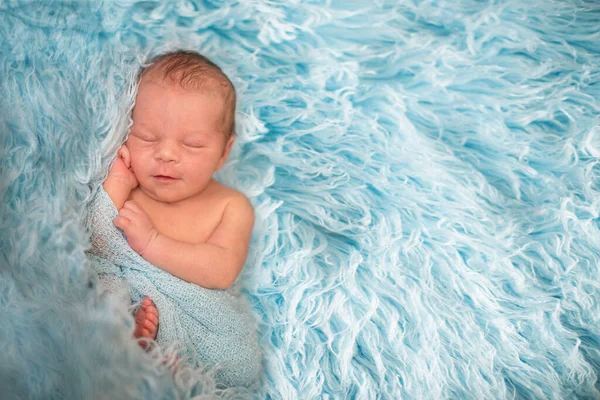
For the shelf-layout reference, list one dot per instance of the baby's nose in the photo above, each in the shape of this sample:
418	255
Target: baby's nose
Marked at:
167	152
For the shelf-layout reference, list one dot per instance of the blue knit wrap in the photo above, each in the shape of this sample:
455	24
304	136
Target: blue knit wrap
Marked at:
215	326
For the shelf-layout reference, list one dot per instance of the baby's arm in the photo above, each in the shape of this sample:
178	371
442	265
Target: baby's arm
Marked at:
121	180
214	264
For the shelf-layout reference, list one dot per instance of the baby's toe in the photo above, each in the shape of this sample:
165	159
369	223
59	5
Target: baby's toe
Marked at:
149	324
151	313
153	318
140	316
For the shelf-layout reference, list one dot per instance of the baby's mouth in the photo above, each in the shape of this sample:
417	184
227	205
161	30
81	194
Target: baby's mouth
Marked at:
163	178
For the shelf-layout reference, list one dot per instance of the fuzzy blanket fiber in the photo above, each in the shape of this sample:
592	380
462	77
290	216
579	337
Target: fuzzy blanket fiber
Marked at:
425	176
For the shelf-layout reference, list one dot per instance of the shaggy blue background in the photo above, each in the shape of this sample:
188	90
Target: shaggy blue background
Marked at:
425	177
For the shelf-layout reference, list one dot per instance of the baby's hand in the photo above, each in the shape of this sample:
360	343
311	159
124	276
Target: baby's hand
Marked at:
136	225
121	168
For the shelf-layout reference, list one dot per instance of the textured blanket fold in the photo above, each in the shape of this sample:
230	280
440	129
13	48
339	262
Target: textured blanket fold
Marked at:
214	325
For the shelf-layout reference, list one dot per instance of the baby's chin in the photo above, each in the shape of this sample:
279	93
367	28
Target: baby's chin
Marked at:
164	195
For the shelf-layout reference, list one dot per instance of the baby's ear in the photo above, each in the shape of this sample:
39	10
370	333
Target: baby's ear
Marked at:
226	152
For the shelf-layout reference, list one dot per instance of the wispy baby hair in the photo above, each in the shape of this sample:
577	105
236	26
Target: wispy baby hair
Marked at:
193	71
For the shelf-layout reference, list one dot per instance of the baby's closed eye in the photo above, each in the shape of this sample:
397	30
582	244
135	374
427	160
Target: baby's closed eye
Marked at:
194	145
144	137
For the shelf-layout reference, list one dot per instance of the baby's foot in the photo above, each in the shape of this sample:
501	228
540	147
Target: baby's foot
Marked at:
146	321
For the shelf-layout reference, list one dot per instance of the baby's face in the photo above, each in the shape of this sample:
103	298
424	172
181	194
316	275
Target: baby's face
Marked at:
175	141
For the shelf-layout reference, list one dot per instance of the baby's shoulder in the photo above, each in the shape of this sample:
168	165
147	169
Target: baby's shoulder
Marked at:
229	196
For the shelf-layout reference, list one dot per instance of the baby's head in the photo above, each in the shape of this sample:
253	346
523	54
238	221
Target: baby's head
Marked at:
183	125
193	72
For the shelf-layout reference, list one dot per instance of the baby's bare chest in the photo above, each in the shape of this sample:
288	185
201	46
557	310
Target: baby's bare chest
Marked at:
194	227
192	224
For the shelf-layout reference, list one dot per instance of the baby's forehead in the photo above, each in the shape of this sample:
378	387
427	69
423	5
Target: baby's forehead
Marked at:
159	84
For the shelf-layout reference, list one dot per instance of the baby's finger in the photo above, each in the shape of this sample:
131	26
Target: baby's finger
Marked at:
121	222
132	205
127	213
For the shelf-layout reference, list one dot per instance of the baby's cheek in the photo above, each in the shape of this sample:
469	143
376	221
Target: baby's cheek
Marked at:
136	160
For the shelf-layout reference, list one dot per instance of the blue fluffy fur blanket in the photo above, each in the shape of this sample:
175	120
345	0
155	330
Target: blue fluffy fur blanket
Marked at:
425	176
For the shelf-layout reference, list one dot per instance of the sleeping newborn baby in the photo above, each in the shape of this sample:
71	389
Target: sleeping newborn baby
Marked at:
182	237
